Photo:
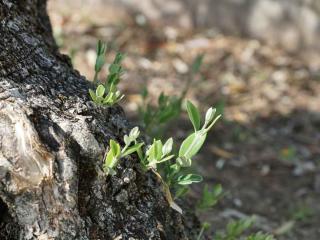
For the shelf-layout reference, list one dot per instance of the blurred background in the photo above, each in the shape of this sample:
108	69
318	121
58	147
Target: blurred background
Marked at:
261	69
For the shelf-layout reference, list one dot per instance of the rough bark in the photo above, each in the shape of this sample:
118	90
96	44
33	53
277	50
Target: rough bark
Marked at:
52	142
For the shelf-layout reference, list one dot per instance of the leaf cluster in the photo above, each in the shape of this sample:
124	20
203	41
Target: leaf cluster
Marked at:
155	118
235	230
176	167
107	94
210	197
115	152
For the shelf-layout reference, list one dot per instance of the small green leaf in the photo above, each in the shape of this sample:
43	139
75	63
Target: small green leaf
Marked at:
162	99
134	133
184	162
101	48
197	63
92	95
109	98
99	63
100	91
100	60
133	149
158	148
194	115
118	58
174	168
127	140
99	100
192	144
189	179
144	93
236	228
167	147
115	148
210	197
109	162
165	159
209	115
114	68
260	236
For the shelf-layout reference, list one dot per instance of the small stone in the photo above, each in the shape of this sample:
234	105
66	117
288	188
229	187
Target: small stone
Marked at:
126	180
122	196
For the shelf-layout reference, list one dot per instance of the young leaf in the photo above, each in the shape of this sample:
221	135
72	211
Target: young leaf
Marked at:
192	144
167	147
115	148
189	179
92	95
194	115
209	115
99	63
151	152
101	51
157	150
108	98
101	48
127	140
162	100
118	59
184	162
109	161
114	68
236	228
165	159
260	236
173	169
144	93
210	197
197	63
132	149
134	133
100	91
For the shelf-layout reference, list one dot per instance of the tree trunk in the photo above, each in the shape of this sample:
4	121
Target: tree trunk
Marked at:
52	142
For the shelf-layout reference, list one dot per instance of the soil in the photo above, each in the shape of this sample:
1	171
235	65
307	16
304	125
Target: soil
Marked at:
265	151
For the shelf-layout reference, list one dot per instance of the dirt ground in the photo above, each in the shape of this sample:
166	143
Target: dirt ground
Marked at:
266	150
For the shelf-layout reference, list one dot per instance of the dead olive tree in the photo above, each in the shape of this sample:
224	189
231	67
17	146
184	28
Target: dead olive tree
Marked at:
52	143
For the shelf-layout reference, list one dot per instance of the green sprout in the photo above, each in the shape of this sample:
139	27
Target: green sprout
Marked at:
100	60
235	229
157	153
115	152
176	174
100	98
155	118
204	227
107	94
173	170
210	197
260	236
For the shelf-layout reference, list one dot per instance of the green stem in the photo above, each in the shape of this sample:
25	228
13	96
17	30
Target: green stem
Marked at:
95	78
187	86
201	233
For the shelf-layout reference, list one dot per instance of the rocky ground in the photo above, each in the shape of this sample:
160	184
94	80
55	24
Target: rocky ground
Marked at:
266	150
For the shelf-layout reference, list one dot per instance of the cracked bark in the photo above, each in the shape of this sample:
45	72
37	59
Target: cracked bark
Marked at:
52	141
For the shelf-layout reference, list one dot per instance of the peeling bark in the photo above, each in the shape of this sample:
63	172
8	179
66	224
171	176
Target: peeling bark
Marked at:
52	142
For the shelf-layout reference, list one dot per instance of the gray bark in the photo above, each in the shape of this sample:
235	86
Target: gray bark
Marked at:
52	142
